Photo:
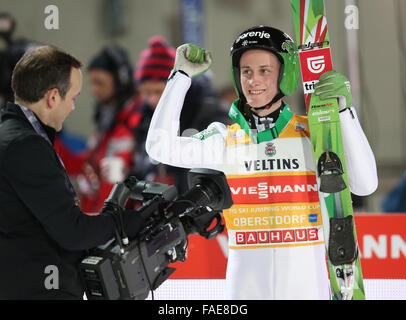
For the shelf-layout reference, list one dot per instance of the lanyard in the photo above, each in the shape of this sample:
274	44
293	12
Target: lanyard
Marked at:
38	129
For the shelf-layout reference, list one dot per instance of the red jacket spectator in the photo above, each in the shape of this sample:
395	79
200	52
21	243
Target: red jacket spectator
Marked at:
92	180
108	158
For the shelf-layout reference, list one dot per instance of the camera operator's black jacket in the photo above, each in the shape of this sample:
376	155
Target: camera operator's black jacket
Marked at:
40	225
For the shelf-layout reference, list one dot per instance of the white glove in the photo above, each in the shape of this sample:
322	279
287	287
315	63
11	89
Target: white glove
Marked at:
192	59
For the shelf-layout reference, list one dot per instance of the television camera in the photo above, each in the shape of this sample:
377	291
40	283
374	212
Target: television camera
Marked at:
11	50
132	268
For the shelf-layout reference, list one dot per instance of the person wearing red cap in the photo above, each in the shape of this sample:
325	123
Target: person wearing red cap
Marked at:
153	69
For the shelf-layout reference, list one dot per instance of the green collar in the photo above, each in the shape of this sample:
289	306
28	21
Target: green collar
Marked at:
266	135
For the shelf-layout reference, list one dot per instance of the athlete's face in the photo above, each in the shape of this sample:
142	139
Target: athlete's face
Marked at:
259	72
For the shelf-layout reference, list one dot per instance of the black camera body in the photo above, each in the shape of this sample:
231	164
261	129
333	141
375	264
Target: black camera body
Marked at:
130	269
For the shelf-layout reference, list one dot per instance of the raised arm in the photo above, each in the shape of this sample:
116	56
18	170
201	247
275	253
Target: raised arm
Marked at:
359	158
163	141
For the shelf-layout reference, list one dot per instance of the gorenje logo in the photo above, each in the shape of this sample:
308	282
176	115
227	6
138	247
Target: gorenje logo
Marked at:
316	64
259	34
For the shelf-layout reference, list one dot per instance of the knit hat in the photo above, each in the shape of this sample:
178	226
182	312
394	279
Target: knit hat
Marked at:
156	62
102	61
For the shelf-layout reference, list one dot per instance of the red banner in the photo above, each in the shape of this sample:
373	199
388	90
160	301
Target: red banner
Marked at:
381	239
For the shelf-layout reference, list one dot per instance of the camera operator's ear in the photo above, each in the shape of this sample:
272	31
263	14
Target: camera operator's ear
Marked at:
52	98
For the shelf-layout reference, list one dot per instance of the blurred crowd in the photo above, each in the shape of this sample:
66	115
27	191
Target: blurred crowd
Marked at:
125	100
125	94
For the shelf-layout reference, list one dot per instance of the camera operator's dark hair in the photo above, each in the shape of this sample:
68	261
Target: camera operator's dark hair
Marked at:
41	69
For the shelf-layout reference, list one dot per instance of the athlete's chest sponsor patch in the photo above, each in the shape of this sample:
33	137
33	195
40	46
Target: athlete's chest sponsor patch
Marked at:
274	188
269	225
275	194
289	154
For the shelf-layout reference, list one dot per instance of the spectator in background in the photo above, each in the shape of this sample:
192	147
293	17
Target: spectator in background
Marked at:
395	200
201	107
153	68
227	96
108	158
41	225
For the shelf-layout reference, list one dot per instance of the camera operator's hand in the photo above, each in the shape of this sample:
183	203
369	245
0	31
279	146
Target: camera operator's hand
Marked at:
192	59
133	223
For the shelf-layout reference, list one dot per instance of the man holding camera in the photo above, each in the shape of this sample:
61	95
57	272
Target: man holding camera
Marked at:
43	233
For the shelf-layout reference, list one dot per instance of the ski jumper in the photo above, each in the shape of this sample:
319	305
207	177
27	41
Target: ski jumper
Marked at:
276	248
